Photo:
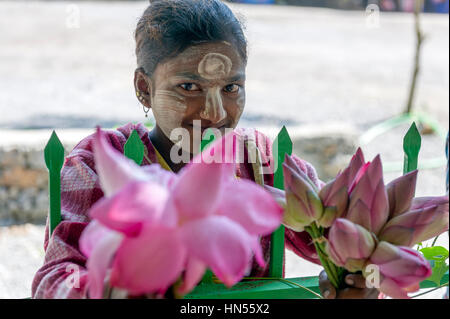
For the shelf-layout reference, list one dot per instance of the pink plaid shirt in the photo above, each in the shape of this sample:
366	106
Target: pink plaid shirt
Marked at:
63	274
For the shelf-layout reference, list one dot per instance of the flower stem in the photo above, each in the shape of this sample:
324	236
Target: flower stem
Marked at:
434	241
426	292
330	268
284	280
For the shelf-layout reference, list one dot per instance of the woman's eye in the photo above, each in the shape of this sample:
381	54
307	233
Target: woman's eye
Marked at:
189	87
232	88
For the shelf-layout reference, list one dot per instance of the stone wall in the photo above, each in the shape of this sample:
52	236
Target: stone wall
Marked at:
327	146
24	176
329	149
23	186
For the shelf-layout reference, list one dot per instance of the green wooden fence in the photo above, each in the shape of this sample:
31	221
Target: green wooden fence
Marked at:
273	287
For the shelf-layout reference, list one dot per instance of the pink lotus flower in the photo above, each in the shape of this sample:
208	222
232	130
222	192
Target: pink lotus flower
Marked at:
349	245
427	219
277	194
401	269
303	205
368	205
334	195
163	224
115	174
401	193
98	243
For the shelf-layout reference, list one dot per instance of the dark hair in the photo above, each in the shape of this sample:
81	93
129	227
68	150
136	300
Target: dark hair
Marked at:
168	27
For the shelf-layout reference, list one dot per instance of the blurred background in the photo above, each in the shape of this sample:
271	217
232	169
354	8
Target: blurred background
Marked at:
331	71
436	6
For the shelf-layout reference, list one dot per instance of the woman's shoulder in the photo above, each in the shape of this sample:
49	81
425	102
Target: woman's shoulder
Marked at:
117	138
265	145
262	142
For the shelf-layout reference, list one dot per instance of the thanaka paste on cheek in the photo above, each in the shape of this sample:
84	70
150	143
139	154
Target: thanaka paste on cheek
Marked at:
168	108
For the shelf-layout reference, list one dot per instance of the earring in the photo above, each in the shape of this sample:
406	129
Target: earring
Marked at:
146	109
141	98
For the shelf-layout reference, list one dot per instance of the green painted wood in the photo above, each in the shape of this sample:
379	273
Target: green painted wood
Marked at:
207	277
277	253
205	142
134	148
258	289
282	145
54	160
411	147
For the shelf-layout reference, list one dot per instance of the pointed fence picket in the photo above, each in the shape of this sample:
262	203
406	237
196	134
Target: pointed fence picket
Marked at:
281	146
134	148
411	147
54	159
274	287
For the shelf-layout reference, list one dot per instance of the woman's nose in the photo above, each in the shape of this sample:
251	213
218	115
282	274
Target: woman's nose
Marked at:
214	110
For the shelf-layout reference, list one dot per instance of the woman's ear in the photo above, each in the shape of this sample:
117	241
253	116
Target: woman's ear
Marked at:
142	85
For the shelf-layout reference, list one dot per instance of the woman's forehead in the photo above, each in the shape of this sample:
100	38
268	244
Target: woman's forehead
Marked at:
196	59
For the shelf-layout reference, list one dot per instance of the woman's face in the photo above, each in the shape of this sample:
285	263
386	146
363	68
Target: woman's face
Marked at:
205	83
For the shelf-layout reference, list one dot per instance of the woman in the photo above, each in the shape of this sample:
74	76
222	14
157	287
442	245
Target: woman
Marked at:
191	60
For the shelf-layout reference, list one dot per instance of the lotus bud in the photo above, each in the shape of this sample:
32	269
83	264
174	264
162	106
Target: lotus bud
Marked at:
277	194
368	205
400	193
422	202
400	269
417	225
355	165
349	245
334	196
303	205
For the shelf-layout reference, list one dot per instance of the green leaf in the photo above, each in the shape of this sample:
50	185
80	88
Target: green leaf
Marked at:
435	253
437	257
54	153
411	146
134	148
